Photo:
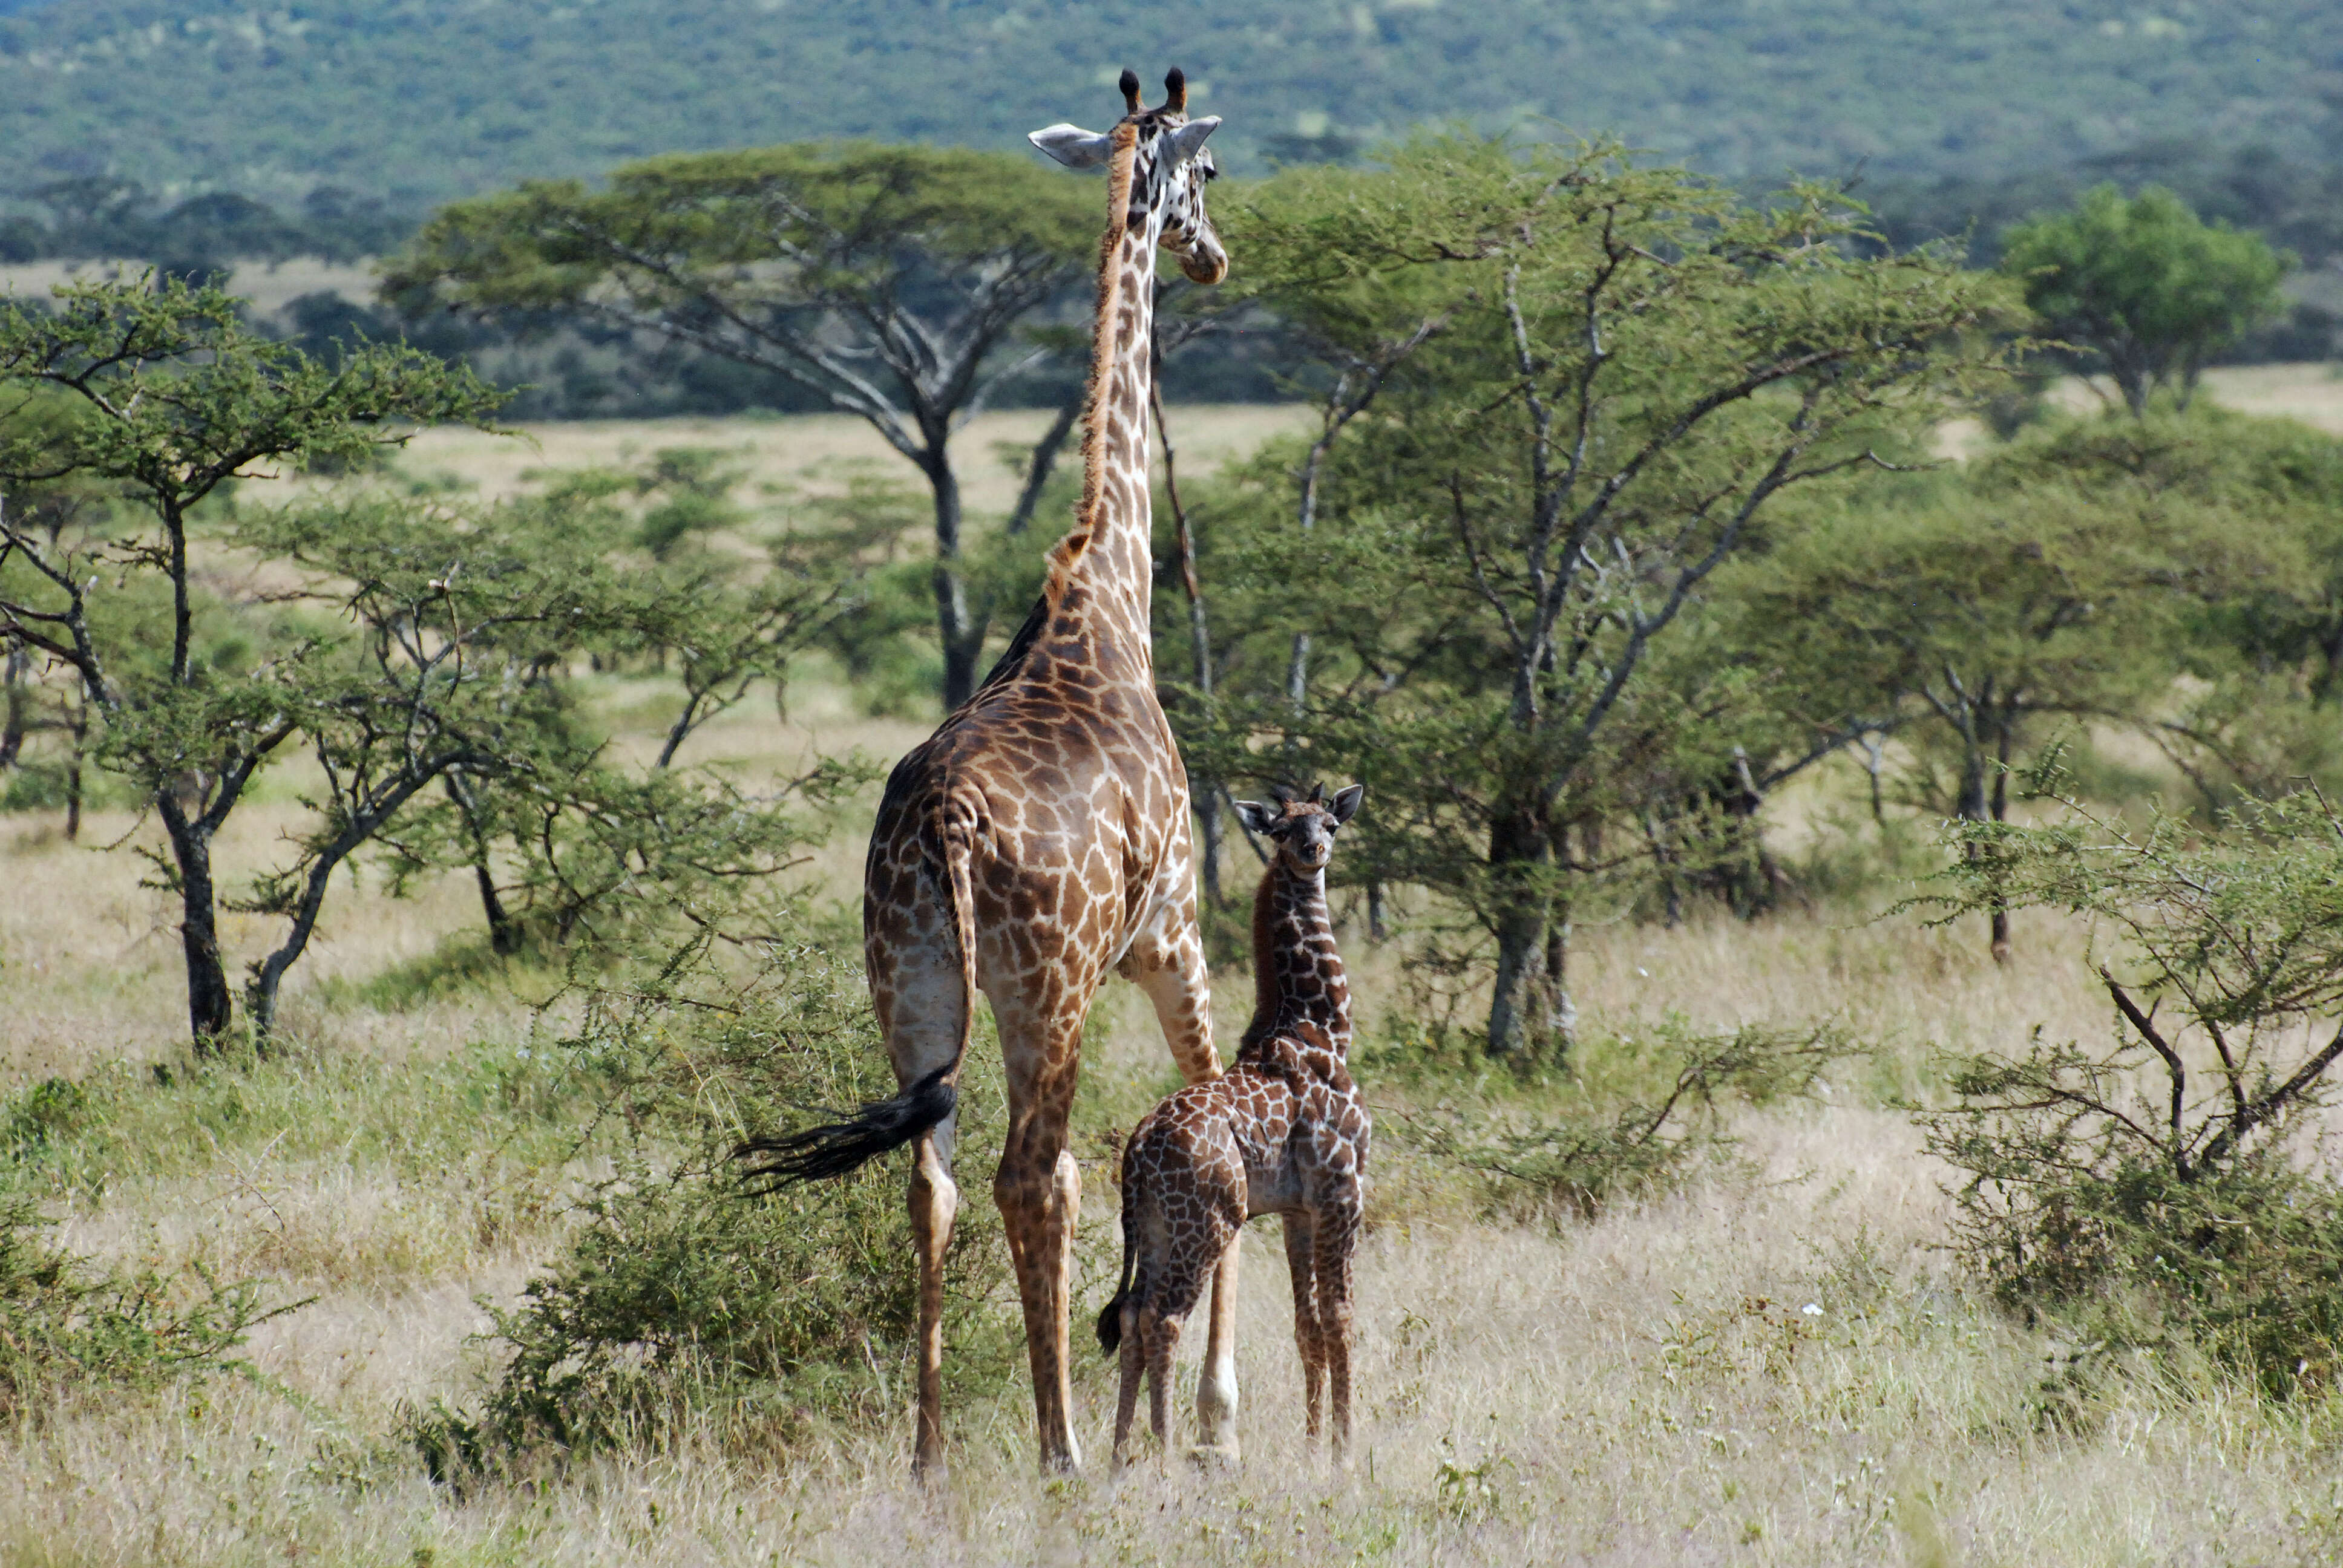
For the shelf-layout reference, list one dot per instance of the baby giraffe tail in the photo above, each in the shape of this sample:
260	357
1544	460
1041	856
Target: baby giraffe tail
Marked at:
1110	1319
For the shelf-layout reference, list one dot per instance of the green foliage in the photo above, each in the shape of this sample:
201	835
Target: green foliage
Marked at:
171	400
884	282
574	847
462	101
1566	391
2145	283
2163	1177
683	1301
1647	1116
66	1324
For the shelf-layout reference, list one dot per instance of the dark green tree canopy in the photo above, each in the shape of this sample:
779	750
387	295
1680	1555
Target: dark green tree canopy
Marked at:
2145	283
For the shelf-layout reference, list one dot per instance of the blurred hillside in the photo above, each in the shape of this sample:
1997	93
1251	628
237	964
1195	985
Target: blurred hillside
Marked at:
416	102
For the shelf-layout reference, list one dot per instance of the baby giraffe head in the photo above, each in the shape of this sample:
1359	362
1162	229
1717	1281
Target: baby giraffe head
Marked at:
1302	827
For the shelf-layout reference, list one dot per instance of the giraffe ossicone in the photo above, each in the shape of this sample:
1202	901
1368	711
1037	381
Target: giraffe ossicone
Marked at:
1284	1132
1041	837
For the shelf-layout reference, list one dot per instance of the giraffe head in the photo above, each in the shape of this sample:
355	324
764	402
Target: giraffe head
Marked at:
1169	170
1302	827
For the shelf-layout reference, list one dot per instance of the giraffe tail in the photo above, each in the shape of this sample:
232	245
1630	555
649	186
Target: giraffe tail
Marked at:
1109	1318
836	1147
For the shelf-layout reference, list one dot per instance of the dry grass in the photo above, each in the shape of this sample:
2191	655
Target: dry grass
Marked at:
1774	1365
816	454
1648	1388
2311	392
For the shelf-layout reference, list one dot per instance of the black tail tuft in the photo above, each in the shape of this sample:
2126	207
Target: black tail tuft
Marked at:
1110	1326
819	1153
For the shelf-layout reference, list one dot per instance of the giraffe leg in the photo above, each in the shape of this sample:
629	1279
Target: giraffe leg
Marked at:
1162	1344
935	1200
1039	1190
918	992
1300	1262
1337	1247
1134	1372
1171	969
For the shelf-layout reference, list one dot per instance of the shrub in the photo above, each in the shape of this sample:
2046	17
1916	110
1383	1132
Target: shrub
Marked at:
1658	1120
65	1321
684	1297
2157	1185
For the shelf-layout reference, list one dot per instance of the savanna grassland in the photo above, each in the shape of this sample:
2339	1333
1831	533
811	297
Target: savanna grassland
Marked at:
1773	1362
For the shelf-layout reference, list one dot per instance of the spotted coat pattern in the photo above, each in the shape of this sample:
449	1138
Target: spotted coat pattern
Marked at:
1039	839
1285	1132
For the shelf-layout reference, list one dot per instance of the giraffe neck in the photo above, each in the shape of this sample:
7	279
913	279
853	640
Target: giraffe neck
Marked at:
1110	550
1297	974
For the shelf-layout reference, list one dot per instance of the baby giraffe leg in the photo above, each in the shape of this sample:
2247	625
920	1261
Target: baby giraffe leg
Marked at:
1301	1262
1163	1336
1134	1370
1337	1241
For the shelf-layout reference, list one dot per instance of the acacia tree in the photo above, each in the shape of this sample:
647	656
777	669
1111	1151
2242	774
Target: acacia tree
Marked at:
2173	1162
889	282
2146	284
567	842
1630	367
465	628
178	398
1969	622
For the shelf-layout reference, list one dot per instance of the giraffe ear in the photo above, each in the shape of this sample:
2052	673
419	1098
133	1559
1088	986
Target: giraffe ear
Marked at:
1346	802
1072	146
1187	140
1261	819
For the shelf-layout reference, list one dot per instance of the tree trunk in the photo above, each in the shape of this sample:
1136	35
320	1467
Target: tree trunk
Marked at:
1972	803
504	935
73	768
208	1005
1518	853
2000	918
1874	746
1757	879
1044	459
1558	1022
1377	930
11	714
961	648
1663	862
1203	793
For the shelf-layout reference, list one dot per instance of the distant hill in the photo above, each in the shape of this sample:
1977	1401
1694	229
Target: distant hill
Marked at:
418	100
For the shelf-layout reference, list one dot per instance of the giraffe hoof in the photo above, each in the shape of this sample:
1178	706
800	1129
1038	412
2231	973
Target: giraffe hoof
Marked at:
1215	1456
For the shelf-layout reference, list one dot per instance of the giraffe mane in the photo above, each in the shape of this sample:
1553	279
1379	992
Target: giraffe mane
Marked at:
1068	550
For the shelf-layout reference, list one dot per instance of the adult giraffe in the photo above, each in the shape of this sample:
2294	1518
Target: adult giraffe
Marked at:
1041	837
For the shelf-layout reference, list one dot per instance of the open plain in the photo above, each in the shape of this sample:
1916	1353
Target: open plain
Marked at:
1776	1363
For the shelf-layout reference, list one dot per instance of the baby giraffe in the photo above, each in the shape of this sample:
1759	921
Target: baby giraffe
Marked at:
1284	1132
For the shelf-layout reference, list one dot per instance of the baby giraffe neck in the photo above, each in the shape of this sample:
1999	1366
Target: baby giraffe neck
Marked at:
1297	974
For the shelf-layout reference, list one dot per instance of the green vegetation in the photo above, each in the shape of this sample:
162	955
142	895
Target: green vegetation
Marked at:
2100	1179
432	656
1619	516
2144	286
1598	384
67	1324
683	1303
422	104
172	397
930	262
